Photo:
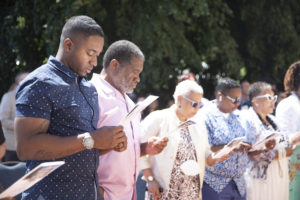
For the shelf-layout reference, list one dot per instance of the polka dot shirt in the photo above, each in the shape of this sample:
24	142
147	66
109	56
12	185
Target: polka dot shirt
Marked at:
54	92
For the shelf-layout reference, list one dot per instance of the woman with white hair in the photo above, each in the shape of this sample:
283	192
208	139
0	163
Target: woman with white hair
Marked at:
177	172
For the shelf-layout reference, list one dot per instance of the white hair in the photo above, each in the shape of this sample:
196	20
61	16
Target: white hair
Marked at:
186	87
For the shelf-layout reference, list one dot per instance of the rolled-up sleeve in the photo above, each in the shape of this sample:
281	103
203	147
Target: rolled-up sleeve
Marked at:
150	127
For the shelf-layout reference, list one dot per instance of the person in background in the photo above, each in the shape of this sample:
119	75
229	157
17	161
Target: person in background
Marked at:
267	176
245	102
118	171
57	114
288	115
186	145
7	117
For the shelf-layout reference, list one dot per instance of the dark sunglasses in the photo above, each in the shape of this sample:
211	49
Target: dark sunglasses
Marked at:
194	103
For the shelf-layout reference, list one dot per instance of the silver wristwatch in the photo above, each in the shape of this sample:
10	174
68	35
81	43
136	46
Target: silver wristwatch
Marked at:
88	141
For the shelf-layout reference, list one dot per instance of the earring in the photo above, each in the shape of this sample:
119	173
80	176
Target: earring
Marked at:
179	106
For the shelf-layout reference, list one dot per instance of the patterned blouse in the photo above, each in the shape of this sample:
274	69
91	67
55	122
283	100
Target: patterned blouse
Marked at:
222	129
260	164
183	186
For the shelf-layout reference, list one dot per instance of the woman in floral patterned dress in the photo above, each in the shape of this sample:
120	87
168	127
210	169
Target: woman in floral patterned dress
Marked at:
178	171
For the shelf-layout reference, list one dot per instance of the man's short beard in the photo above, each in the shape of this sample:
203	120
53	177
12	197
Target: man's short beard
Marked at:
124	87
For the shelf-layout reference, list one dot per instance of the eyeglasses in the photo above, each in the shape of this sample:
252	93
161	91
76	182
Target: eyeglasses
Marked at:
233	100
269	97
194	103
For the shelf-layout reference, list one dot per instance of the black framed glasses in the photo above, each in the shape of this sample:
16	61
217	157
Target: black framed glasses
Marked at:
269	97
233	100
194	103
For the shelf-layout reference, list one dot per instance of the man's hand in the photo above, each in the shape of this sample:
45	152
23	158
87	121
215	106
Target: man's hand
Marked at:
155	145
109	137
121	147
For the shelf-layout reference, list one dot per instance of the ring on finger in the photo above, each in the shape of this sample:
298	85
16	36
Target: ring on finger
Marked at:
120	145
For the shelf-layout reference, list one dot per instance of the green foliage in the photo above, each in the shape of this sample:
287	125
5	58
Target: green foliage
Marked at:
236	38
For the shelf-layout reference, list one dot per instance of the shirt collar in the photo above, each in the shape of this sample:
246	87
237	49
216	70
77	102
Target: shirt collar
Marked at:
107	88
174	115
61	67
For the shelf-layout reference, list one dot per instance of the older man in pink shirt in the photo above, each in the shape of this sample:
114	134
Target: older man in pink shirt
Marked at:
118	171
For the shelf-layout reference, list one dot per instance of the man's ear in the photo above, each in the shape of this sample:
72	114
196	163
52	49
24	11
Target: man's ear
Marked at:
68	44
114	65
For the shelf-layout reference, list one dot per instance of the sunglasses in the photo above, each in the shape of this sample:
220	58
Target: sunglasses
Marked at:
194	103
269	97
233	100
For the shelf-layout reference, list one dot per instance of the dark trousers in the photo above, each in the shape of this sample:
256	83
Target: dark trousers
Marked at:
230	192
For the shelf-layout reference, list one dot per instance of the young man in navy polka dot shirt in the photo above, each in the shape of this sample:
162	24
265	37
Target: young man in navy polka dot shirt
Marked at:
57	115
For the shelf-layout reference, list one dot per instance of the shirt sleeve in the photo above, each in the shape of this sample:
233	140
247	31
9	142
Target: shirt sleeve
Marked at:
150	127
208	151
33	99
285	117
209	132
6	109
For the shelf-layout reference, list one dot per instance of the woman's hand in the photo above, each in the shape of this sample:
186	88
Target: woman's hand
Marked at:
289	151
153	189
270	144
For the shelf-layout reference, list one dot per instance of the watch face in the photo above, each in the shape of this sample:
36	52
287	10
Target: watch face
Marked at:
88	142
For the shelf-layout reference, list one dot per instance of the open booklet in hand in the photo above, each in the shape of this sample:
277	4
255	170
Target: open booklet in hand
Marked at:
261	143
233	144
139	107
28	180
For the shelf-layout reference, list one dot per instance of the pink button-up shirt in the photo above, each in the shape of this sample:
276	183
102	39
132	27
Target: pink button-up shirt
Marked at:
117	171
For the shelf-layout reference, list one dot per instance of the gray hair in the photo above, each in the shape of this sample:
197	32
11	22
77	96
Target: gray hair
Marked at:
256	88
186	87
123	51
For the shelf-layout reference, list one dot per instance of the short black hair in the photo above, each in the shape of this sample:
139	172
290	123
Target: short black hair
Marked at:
80	25
226	84
123	51
256	88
